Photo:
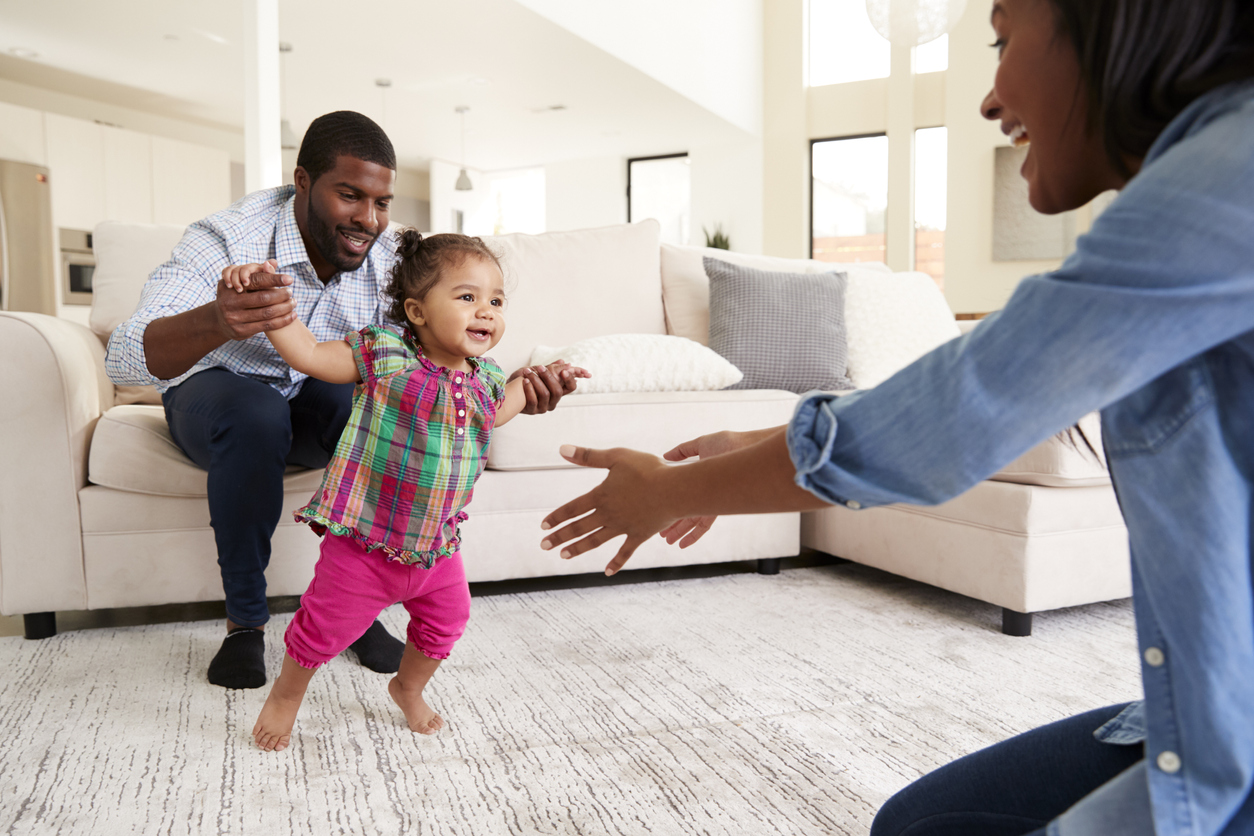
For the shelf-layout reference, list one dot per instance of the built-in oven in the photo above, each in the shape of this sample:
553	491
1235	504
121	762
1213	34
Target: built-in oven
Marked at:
77	266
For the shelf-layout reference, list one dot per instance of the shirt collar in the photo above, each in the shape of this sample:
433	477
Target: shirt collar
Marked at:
411	340
289	247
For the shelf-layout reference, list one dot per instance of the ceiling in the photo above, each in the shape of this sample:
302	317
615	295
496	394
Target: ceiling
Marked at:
509	65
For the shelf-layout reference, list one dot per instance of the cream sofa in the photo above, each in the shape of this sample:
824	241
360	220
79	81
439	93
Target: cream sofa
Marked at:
99	508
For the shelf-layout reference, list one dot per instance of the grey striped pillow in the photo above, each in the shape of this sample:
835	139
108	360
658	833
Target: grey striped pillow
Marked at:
783	330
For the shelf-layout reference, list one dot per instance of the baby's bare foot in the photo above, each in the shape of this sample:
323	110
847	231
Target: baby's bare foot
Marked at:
273	731
420	716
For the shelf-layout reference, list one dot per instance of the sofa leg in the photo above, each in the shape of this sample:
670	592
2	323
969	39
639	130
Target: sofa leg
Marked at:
1016	623
768	565
40	625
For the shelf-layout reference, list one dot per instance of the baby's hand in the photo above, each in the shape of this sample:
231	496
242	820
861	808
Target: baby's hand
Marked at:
238	276
567	373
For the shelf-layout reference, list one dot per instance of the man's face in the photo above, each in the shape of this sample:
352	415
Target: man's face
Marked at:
344	211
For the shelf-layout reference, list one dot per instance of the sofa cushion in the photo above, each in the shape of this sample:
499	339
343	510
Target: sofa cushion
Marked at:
125	256
783	330
642	363
1073	458
650	421
562	287
892	320
686	289
132	450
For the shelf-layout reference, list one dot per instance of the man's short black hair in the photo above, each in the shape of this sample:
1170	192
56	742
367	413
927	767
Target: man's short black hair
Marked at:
343	132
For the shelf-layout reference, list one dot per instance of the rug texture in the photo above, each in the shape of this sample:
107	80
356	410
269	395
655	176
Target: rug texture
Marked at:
741	704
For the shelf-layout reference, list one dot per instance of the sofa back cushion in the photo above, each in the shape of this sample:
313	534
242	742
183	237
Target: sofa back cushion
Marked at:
563	287
686	290
891	319
125	256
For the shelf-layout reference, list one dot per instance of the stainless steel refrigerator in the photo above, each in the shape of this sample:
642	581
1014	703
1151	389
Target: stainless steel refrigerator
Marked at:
28	250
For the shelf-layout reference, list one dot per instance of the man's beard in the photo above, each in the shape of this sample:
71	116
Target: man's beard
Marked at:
326	240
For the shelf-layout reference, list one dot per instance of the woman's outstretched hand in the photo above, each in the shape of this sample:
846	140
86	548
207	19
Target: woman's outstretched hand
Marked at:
629	502
691	529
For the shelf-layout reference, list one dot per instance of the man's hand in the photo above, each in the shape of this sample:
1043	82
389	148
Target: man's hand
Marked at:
253	298
544	386
691	529
627	502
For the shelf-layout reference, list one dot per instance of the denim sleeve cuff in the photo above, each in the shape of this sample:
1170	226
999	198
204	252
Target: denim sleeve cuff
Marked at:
811	434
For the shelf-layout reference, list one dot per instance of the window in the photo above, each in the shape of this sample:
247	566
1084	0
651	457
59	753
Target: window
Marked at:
844	46
931	162
848	196
514	203
660	188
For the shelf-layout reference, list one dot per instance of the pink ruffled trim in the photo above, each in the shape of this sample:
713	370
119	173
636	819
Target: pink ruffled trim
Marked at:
427	558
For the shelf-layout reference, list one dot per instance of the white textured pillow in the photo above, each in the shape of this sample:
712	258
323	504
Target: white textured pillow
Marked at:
891	320
643	363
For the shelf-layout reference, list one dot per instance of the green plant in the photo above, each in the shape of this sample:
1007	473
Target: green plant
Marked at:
718	240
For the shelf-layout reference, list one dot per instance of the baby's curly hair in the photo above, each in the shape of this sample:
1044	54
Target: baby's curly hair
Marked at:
420	261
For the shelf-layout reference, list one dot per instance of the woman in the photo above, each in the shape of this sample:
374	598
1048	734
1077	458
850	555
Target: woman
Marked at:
1151	321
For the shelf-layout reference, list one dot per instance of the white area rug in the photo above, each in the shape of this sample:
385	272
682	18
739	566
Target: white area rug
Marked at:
743	704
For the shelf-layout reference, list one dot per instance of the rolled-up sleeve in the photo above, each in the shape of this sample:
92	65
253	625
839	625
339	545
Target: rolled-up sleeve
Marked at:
188	280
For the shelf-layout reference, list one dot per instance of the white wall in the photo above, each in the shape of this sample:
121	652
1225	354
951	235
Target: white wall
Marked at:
727	190
974	283
581	194
707	50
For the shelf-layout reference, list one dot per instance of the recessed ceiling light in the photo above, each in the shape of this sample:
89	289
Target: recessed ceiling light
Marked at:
23	52
170	37
548	109
383	82
284	46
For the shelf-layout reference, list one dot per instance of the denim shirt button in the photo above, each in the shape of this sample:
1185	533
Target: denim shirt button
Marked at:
853	505
1169	762
1154	657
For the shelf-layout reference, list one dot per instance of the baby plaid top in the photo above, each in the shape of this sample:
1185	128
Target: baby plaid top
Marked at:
407	462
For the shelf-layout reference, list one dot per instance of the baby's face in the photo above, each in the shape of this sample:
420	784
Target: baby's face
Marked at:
463	315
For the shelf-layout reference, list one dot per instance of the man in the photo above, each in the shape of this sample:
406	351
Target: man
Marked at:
232	404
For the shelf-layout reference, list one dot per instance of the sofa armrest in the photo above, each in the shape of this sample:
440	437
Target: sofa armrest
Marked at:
54	389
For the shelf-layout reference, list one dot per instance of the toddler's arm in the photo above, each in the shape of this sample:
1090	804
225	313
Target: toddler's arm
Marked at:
331	361
515	396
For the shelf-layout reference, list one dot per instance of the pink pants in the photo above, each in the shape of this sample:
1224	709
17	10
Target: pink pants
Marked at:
351	586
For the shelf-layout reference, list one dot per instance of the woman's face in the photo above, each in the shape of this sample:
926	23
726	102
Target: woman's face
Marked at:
1038	97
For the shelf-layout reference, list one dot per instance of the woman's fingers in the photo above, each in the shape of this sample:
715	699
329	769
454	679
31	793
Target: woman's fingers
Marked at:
683	451
698	531
578	528
624	554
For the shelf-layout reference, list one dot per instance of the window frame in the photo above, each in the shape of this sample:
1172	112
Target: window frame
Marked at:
810	169
631	160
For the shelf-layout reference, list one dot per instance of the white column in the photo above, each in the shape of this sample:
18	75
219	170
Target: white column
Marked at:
899	219
263	153
785	147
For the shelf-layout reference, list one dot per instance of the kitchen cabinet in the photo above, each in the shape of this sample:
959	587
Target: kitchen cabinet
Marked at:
76	171
188	181
127	175
22	135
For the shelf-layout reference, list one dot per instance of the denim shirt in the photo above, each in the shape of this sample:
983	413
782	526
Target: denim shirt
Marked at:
1152	322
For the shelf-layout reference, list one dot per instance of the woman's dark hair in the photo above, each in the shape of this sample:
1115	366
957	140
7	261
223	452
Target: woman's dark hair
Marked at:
1144	61
343	133
420	261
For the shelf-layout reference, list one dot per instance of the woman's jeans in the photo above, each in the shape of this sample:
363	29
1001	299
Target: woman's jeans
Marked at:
244	433
1013	788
